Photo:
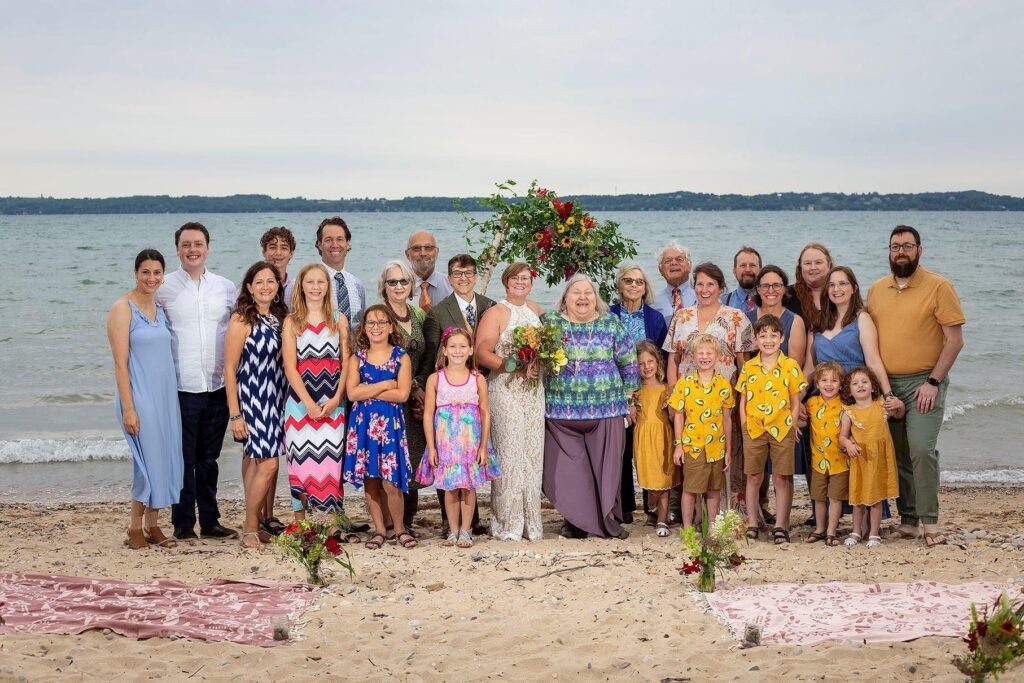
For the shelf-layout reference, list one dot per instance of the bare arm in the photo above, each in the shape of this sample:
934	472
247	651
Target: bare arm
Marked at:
798	341
234	341
487	333
673	368
952	343
329	406
401	393
357	390
845	440
119	322
429	406
485	418
727	417
678	424
809	360
869	345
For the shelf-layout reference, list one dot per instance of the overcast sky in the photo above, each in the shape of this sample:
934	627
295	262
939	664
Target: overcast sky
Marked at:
388	99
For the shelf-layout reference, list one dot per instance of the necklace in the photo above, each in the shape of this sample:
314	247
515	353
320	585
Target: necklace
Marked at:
408	314
576	345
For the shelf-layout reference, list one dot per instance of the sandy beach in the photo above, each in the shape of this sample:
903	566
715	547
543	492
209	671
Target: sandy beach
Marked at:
435	613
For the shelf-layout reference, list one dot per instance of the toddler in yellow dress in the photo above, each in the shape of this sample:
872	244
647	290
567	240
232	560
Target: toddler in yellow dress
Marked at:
865	436
652	437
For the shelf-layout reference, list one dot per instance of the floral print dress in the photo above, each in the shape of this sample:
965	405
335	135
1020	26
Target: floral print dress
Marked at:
376	447
730	326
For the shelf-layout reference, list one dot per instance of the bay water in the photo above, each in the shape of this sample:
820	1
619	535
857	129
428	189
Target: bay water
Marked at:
60	440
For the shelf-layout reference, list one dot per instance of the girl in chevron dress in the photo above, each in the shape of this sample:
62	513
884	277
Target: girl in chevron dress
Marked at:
315	341
254	380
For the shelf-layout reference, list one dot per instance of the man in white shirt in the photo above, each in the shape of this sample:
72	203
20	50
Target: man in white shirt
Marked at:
198	305
431	286
333	242
674	265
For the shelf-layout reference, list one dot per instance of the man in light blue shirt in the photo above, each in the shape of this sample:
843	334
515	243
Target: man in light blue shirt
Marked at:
431	286
746	264
674	265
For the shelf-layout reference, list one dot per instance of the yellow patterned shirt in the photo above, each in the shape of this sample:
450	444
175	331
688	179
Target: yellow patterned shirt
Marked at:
703	406
825	418
767	393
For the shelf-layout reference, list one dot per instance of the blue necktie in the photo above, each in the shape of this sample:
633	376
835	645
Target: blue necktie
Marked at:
470	317
341	293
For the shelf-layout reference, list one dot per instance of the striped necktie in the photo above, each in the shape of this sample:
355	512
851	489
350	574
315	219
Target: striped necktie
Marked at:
425	301
341	293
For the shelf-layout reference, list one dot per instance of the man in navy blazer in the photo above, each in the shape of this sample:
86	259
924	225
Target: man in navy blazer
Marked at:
462	308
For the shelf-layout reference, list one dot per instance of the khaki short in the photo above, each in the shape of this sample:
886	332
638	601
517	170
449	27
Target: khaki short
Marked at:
757	451
830	486
700	476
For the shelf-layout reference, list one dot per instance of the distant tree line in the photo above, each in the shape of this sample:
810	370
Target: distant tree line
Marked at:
669	201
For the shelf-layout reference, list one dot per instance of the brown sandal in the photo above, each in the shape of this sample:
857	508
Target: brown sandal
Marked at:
831	541
136	539
930	539
815	536
752	532
155	536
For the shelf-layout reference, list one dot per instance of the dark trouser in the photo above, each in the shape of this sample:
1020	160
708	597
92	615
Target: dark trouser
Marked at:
627	492
204	420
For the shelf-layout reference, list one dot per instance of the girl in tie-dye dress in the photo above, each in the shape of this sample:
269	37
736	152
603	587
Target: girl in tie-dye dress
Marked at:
459	458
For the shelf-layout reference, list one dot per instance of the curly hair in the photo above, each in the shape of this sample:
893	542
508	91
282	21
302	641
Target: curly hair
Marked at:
876	387
826	367
395	337
245	305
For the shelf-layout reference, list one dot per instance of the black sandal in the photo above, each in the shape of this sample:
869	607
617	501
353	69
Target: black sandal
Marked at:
780	535
815	536
831	541
372	543
273	526
752	532
407	540
346	537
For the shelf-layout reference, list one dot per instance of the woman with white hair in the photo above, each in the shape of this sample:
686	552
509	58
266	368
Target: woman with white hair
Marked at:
642	321
585	404
395	288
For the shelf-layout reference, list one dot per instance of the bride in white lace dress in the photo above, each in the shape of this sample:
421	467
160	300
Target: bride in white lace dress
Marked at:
517	413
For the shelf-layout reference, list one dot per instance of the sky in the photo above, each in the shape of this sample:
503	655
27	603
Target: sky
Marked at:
394	99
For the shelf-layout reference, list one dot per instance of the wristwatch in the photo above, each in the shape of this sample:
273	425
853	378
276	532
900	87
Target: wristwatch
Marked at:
931	380
888	395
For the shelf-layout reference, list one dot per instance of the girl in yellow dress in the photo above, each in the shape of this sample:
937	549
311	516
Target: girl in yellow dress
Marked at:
652	437
865	436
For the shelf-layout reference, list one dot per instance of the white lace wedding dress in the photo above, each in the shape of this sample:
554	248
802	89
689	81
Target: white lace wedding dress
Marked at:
517	433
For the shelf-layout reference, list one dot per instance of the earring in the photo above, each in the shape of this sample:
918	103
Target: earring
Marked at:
277	298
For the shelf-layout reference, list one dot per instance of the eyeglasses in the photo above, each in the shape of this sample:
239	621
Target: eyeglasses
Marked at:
675	259
423	247
462	274
907	247
771	287
842	284
375	324
521	278
397	283
634	281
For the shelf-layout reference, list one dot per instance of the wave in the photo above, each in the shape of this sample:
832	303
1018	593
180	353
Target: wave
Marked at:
29	451
72	399
961	409
1000	476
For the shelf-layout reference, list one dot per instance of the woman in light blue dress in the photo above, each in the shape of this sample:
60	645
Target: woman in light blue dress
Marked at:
147	400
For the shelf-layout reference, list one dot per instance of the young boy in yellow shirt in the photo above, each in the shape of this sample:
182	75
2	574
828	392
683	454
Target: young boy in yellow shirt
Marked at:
769	385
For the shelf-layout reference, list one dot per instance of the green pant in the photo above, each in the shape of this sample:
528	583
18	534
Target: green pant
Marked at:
917	461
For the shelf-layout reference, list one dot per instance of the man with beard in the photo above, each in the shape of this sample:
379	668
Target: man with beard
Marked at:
745	266
919	321
431	286
674	265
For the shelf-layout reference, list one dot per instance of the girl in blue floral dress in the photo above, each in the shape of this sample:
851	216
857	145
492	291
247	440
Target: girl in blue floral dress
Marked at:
376	450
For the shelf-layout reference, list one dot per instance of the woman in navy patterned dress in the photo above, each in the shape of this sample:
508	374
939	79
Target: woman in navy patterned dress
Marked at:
255	384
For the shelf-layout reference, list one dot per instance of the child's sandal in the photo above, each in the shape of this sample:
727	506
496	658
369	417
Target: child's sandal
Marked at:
874	541
465	539
752	532
451	540
661	530
853	539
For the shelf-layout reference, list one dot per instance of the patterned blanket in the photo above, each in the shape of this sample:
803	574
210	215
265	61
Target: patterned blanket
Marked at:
235	611
873	612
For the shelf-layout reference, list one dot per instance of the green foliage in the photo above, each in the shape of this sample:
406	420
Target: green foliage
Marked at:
994	641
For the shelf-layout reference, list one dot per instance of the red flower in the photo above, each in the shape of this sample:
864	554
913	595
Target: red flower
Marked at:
332	546
533	272
291	528
982	628
563	209
526	355
605	251
972	641
691	567
588	222
736	560
569	272
309	535
1007	629
542	192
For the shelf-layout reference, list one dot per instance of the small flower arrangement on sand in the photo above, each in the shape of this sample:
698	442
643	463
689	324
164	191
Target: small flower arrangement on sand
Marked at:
542	344
312	542
713	549
994	641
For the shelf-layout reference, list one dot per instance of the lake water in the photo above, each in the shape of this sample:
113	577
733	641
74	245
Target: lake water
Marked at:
60	441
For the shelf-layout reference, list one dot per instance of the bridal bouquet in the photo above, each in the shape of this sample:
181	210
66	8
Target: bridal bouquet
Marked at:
541	344
713	549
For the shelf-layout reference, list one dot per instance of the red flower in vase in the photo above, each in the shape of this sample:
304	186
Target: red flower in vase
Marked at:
691	567
332	545
736	560
972	641
982	628
563	209
291	528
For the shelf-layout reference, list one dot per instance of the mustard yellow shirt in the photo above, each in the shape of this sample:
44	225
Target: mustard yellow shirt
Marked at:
825	420
703	406
767	393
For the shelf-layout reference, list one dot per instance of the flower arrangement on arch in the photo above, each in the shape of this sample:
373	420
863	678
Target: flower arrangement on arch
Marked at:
541	344
713	549
557	238
311	542
994	640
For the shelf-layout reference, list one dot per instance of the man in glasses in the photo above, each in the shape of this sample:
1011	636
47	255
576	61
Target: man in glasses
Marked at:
674	265
463	308
920	332
431	286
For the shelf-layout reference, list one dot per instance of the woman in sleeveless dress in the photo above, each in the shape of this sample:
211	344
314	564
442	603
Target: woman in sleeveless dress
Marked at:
315	342
517	412
147	400
254	380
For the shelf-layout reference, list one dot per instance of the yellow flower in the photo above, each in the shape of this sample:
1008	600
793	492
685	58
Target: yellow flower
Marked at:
562	227
583	230
538	235
560	359
566	241
571	220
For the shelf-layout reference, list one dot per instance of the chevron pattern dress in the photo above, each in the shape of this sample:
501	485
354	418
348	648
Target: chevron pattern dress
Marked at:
316	447
261	385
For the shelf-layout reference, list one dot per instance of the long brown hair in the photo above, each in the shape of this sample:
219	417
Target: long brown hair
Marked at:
651	350
395	337
829	313
442	360
800	288
245	304
300	309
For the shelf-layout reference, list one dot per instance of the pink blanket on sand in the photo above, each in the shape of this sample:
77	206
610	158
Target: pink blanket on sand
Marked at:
874	612
223	610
